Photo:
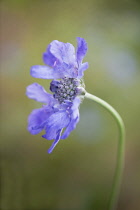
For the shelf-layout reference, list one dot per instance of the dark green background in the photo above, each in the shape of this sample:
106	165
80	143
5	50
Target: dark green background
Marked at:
78	174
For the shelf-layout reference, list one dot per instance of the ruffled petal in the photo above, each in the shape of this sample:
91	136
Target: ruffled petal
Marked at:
45	72
49	58
61	57
55	141
36	120
81	49
70	127
38	93
63	52
74	118
81	69
50	134
55	122
76	104
58	120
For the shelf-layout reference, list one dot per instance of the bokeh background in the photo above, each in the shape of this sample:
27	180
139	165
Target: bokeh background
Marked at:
78	174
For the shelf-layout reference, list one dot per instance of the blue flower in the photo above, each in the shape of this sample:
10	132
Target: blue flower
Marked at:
60	114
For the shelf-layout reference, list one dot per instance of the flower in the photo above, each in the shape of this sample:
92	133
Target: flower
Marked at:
60	114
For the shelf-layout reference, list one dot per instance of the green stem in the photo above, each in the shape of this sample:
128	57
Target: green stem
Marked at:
120	153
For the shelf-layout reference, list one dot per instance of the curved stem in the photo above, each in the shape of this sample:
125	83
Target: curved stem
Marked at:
120	153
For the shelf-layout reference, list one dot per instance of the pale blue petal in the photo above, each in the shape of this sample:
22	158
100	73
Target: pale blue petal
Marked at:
63	52
58	120
36	119
70	128
81	69
38	93
45	72
74	118
55	141
81	49
48	58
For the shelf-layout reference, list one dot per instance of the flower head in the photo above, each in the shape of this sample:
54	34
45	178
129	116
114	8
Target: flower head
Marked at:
60	114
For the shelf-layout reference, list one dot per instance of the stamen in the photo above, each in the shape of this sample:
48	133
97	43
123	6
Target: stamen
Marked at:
65	89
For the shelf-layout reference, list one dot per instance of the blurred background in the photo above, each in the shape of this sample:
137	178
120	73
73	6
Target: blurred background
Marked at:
78	174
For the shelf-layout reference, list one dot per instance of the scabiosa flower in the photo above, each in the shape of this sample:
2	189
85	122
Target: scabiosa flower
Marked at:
60	114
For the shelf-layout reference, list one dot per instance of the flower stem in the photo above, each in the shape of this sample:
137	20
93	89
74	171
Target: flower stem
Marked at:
120	153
